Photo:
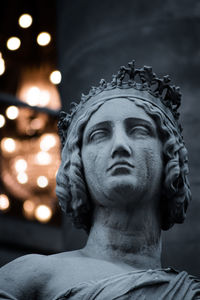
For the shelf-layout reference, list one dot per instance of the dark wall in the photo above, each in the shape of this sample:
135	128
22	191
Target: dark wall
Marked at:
96	37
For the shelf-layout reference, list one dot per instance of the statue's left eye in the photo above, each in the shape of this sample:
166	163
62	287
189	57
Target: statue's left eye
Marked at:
139	130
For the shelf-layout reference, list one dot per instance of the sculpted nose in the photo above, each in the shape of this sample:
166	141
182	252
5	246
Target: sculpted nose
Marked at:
120	146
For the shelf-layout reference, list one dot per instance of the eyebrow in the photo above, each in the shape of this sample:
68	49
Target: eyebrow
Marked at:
140	121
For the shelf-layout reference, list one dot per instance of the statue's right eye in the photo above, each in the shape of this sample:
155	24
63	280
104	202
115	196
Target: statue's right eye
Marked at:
98	134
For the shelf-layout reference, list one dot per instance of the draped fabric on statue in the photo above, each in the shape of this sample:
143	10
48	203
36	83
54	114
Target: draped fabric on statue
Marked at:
165	284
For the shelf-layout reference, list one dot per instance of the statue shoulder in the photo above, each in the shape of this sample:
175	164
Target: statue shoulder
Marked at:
32	276
23	277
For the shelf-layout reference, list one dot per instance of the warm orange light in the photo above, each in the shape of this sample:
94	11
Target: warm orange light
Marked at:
36	96
44	98
47	142
38	91
12	112
43	213
43	38
20	165
32	96
4	202
36	123
8	145
43	158
42	181
29	206
2	121
22	178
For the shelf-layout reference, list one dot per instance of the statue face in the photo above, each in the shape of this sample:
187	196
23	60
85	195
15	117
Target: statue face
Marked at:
122	155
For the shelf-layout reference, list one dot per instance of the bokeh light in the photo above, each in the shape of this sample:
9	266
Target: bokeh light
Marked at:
25	20
55	77
32	96
42	181
2	64
4	202
21	165
36	124
2	121
43	213
8	145
29	208
43	38
22	177
36	96
13	43
12	112
43	158
47	142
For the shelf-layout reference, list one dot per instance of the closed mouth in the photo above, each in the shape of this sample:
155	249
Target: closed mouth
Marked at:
121	164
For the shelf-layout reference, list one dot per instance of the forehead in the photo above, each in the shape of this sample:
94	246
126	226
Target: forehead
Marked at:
118	110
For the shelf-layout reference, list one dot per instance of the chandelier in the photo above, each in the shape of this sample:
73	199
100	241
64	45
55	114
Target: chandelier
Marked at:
29	151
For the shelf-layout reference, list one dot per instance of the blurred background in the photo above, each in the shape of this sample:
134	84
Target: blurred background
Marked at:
50	53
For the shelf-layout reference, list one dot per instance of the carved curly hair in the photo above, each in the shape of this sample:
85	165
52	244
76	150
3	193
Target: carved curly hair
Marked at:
71	187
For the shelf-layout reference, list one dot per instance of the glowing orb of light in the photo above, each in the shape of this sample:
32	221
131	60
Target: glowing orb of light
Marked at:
20	165
8	145
55	77
43	158
33	95
43	38
4	202
48	141
2	121
13	43
42	181
12	112
36	96
25	20
2	64
22	178
43	213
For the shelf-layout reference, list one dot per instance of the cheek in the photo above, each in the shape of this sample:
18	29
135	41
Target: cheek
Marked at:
90	163
88	159
93	158
94	164
154	161
150	156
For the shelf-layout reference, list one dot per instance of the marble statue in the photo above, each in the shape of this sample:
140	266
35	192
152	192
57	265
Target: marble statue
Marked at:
123	178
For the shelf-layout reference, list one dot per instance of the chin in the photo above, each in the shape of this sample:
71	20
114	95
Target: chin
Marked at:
124	186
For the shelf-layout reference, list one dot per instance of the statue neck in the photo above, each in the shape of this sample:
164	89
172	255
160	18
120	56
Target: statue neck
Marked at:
129	237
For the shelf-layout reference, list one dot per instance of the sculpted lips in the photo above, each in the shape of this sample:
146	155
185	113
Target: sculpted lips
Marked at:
120	164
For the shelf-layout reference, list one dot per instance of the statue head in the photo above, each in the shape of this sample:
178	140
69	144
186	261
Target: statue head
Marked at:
160	101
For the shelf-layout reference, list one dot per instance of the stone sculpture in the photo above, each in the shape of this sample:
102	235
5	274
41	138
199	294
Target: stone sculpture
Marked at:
123	178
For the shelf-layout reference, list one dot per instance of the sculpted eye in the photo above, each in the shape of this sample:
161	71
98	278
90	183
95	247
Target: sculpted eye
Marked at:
98	134
139	130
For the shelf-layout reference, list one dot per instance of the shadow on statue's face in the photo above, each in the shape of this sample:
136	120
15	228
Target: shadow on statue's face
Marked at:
122	155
